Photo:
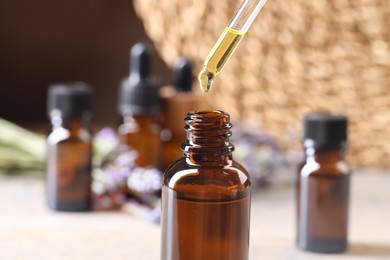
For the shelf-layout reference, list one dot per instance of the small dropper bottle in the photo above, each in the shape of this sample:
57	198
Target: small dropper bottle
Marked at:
69	147
323	185
177	101
206	195
139	105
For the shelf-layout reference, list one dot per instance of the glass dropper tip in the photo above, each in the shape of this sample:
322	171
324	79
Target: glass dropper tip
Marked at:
205	78
228	41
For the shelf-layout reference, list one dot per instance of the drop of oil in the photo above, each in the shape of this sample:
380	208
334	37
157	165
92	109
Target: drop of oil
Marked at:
205	79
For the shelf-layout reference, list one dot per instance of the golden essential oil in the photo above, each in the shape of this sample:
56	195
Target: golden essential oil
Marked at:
221	52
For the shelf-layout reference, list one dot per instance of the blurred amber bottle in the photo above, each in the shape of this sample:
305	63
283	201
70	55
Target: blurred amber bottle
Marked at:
323	185
69	147
139	105
177	101
206	195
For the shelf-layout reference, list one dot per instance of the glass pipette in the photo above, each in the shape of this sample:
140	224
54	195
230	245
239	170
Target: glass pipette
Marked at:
228	41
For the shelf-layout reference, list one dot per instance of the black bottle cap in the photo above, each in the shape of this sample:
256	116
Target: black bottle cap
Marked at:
325	130
70	99
182	75
138	94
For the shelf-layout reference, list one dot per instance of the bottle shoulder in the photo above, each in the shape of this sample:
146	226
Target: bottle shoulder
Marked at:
335	168
135	127
64	135
194	180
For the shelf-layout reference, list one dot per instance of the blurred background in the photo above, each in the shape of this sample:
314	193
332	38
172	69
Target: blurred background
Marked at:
297	57
49	41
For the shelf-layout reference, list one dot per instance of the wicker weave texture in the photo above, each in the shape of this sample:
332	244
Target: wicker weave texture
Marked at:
298	56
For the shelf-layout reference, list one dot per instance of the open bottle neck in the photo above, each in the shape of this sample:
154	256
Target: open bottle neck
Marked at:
208	134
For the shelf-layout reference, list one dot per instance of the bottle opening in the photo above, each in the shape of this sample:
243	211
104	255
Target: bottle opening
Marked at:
208	131
207	120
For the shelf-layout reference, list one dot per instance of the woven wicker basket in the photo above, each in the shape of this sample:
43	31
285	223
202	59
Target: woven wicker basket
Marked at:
297	57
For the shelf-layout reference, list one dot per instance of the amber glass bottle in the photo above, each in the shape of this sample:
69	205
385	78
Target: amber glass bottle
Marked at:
323	185
139	105
206	195
69	148
177	101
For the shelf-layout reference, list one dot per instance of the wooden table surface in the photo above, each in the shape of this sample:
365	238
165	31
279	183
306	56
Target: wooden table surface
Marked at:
28	230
